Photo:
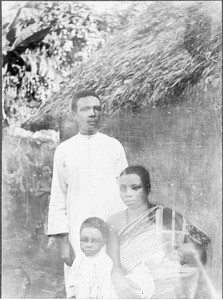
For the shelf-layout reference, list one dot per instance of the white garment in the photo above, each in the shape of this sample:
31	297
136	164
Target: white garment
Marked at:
143	277
84	184
90	277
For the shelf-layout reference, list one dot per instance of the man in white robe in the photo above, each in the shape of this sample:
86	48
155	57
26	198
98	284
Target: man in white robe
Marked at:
85	172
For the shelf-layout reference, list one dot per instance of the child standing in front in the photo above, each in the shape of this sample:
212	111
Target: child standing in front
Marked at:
91	269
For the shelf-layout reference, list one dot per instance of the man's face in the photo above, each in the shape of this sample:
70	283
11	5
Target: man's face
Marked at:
88	115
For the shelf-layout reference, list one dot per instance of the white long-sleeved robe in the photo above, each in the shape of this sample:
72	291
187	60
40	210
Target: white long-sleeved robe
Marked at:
84	183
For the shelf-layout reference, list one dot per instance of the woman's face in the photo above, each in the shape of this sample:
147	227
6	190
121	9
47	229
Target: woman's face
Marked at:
132	191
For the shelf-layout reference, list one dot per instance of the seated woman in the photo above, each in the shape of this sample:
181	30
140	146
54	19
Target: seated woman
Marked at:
156	237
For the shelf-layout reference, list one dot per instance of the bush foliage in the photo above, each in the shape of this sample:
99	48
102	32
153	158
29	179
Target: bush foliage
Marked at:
24	155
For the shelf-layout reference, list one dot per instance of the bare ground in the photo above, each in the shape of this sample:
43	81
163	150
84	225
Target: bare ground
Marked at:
31	271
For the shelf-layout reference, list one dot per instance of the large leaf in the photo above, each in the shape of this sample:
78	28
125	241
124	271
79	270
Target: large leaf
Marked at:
43	66
22	13
29	35
11	35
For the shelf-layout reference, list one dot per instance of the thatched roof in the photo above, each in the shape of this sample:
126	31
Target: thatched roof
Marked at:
150	62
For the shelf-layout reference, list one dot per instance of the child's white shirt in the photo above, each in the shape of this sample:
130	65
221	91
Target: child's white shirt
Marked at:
91	276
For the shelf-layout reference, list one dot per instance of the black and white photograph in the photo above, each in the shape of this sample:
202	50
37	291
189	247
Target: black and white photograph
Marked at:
111	150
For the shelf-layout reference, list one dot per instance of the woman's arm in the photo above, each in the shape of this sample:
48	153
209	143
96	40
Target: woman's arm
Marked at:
112	248
123	286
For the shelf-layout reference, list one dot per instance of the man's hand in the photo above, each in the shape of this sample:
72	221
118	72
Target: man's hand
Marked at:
67	252
124	287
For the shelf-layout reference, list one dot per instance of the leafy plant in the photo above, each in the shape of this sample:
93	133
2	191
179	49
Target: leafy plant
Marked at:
24	155
44	44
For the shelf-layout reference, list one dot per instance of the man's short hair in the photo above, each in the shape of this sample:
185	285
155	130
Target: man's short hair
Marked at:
95	222
82	94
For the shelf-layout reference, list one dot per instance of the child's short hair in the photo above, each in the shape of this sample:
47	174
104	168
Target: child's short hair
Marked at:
97	223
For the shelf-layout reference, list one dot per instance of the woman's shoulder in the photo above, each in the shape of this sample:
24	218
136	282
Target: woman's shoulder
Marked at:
117	220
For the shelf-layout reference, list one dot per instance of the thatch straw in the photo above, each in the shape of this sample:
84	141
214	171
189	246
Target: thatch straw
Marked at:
150	62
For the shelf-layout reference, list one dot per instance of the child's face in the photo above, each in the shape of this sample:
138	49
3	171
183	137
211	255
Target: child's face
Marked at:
91	241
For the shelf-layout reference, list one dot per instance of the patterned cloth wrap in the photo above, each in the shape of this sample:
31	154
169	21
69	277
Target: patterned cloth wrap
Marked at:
145	236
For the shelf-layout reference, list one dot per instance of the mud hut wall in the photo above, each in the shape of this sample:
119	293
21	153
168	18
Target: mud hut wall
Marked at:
181	147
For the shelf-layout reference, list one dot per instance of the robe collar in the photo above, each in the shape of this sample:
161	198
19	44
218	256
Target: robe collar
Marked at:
85	136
